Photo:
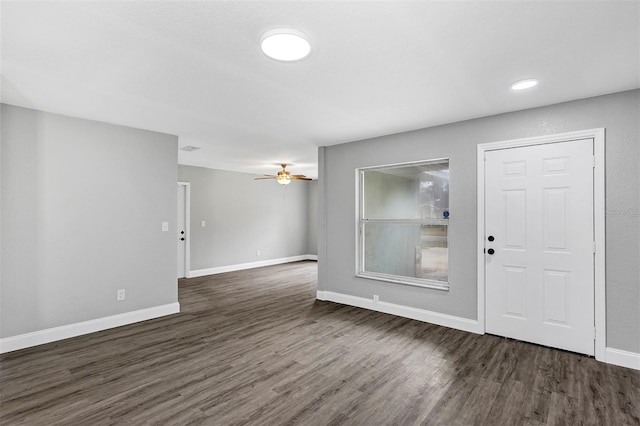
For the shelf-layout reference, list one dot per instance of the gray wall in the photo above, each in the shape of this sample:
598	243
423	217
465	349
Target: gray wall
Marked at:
242	216
82	207
618	113
312	217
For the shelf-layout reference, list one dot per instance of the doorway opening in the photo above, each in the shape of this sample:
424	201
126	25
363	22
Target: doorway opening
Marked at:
183	229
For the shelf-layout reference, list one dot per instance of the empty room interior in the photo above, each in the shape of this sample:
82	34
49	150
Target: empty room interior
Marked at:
319	213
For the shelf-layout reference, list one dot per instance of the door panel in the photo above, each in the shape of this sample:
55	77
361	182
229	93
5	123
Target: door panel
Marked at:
539	280
515	291
554	207
515	214
556	287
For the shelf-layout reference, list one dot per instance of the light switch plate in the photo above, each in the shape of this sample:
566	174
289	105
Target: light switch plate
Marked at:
203	223
165	226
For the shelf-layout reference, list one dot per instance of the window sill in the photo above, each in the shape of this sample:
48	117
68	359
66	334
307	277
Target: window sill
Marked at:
415	282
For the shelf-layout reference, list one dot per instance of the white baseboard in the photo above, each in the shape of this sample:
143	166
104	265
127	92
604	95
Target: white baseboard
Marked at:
622	358
450	321
48	335
251	265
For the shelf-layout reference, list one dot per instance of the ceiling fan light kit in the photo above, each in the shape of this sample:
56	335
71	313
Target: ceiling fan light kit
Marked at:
284	177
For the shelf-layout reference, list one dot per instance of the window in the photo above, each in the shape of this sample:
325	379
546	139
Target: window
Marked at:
403	223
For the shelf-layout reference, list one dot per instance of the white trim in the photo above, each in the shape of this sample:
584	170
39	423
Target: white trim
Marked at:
359	252
251	265
48	335
480	237
623	358
423	315
187	224
598	136
544	139
405	164
399	279
600	298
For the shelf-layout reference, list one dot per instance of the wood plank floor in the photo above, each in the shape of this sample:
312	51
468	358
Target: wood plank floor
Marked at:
256	348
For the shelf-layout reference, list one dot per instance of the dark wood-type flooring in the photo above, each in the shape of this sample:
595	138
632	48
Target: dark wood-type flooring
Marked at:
256	348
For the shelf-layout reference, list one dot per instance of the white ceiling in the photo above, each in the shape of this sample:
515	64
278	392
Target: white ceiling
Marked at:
195	69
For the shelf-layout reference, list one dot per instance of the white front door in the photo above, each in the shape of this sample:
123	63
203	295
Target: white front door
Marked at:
181	228
539	242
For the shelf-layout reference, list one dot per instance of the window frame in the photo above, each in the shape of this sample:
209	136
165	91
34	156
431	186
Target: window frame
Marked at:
360	272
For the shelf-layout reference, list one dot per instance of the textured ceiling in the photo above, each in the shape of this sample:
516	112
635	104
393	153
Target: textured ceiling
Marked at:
194	69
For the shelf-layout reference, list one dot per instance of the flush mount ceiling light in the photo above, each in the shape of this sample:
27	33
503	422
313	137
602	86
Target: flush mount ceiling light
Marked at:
285	44
524	84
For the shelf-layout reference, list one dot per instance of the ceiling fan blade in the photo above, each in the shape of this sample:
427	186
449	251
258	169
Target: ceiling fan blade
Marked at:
284	174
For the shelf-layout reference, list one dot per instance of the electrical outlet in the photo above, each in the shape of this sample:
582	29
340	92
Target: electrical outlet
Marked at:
376	298
257	252
120	295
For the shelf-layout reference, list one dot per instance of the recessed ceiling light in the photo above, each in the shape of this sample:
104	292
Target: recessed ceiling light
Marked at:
285	44
524	84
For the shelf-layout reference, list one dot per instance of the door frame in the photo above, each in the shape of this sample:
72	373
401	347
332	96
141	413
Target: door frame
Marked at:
598	136
187	227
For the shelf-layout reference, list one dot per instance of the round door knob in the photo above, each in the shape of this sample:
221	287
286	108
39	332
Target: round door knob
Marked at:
181	239
491	251
490	238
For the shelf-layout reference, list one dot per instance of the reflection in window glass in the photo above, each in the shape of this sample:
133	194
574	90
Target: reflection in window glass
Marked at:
404	221
434	253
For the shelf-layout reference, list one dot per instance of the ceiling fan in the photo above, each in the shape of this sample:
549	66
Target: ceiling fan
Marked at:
284	177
